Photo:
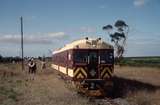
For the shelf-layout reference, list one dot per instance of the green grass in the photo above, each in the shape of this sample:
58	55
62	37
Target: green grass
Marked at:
141	61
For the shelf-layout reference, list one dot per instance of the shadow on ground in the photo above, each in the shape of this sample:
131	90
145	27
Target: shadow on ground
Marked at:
123	86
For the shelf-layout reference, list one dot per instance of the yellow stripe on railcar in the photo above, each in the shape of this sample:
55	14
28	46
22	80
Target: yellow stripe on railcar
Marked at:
106	72
80	73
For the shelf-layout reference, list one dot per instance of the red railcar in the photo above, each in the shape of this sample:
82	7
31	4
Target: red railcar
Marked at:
87	62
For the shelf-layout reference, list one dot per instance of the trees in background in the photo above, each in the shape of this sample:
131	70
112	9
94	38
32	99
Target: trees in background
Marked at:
9	59
1	57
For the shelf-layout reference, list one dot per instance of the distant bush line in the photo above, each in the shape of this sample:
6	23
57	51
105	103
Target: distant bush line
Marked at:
9	59
141	61
18	59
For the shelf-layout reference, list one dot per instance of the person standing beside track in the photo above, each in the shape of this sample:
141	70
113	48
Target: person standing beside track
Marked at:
32	67
43	64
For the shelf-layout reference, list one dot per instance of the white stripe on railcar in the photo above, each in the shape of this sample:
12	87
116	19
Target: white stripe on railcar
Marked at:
63	70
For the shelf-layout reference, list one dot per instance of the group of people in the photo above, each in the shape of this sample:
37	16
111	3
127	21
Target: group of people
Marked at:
32	67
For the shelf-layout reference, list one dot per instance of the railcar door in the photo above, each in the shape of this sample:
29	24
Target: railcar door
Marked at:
93	64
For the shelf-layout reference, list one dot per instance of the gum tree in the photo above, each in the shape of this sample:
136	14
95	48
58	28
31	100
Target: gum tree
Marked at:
118	34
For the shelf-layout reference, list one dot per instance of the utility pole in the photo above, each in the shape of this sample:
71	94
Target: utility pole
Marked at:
21	19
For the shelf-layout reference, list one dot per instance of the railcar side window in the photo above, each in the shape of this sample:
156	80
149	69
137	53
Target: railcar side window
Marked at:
106	57
80	57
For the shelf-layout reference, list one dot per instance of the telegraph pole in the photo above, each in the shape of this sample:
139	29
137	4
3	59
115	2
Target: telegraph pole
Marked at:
21	19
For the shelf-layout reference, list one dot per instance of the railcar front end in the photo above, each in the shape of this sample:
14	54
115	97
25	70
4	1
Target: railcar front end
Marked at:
88	63
93	70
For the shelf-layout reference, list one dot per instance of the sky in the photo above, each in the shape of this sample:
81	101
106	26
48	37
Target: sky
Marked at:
50	24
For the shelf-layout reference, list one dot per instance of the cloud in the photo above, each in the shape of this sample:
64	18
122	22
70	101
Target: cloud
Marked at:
139	3
56	35
41	38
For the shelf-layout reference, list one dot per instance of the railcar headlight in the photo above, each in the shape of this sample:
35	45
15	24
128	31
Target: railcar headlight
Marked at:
93	72
92	85
111	56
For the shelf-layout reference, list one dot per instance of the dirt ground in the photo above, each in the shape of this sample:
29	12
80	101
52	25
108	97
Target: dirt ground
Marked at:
133	86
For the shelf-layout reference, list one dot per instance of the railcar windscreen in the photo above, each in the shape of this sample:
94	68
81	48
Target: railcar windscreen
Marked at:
80	57
106	57
93	57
